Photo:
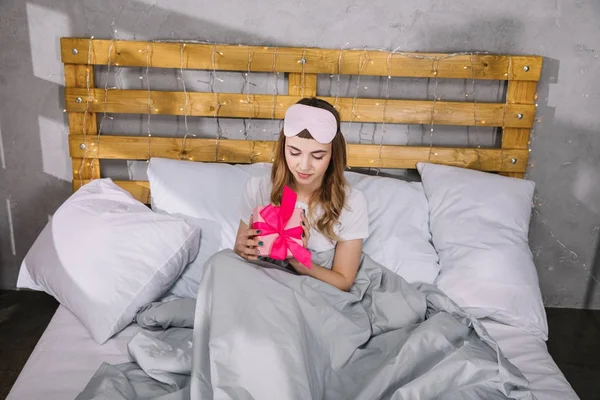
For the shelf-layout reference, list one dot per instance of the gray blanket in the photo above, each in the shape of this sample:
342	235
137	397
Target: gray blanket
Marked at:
266	333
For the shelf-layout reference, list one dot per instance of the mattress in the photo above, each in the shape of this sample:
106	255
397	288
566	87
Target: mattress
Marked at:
530	354
66	357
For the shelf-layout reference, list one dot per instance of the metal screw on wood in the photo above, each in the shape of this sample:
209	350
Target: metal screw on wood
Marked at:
303	61
526	68
82	146
520	116
513	160
78	100
75	51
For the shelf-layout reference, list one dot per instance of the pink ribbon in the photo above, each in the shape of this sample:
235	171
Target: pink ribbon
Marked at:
275	220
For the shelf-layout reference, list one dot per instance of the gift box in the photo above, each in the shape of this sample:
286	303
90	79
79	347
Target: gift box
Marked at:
268	236
281	230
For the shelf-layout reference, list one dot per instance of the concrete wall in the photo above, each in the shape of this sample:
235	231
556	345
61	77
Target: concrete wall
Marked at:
35	169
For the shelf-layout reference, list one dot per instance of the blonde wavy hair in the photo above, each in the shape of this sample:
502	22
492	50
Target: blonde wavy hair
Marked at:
331	196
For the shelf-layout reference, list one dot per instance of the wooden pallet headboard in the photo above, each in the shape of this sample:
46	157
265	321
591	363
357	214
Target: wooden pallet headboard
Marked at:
515	115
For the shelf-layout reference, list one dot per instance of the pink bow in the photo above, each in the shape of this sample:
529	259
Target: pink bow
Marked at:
276	219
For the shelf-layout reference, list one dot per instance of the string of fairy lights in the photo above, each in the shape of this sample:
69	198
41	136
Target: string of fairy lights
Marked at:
355	116
186	106
246	76
364	60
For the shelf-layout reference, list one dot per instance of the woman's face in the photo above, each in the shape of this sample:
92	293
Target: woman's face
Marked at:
307	160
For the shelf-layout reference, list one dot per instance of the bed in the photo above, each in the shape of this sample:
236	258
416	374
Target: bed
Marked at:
67	349
68	355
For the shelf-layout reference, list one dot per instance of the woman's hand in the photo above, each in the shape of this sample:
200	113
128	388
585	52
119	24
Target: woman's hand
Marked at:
301	269
245	242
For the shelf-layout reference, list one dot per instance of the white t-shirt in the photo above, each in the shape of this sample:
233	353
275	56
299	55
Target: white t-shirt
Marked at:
353	222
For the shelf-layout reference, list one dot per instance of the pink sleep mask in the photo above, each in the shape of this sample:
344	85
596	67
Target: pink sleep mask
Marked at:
320	123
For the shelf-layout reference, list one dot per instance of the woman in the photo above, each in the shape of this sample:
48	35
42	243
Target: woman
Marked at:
262	334
310	158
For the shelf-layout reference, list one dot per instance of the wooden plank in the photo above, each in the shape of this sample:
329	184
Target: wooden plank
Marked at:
525	68
521	92
237	105
251	151
515	138
140	190
82	123
518	93
288	59
303	85
519	175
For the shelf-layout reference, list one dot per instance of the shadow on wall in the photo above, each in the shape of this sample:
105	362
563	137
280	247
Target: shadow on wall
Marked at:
33	193
504	35
491	34
501	35
570	238
574	163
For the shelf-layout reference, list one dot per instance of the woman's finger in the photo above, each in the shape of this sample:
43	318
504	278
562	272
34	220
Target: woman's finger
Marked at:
305	228
251	251
305	237
250	233
253	242
251	254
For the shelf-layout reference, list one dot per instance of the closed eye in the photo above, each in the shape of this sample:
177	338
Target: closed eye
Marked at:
317	155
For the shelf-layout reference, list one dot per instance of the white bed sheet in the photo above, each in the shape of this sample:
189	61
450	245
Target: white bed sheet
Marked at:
66	357
530	354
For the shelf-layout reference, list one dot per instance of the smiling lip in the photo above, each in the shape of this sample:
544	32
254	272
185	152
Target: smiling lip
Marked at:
303	176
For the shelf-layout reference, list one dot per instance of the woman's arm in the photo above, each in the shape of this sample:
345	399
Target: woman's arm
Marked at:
345	265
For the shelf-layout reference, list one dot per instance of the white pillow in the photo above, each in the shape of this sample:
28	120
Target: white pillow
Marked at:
480	225
104	255
399	237
210	194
